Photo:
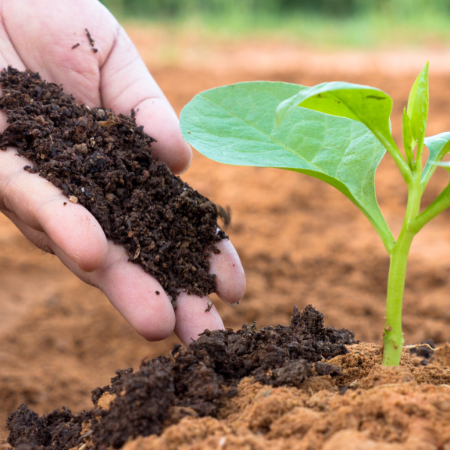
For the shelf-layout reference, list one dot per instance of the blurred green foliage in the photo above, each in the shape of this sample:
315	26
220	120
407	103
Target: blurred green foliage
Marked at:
320	23
164	9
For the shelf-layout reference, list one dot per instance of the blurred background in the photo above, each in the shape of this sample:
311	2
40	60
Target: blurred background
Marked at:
301	241
327	23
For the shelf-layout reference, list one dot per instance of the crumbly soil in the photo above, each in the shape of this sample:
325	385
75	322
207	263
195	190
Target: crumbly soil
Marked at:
104	162
59	337
194	380
253	390
368	407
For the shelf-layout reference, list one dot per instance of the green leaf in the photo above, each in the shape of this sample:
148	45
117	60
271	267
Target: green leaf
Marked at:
364	104
438	146
418	105
408	141
236	125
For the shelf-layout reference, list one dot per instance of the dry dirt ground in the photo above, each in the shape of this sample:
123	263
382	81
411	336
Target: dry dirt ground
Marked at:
300	240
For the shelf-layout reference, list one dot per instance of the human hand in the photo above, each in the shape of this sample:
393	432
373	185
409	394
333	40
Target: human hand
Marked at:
39	36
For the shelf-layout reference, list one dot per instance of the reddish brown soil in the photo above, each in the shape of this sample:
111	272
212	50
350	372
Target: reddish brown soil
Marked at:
404	407
362	405
311	246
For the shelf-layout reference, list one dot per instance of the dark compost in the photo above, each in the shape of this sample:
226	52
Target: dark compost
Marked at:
104	162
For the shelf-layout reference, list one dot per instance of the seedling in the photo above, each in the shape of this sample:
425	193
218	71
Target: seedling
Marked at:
337	132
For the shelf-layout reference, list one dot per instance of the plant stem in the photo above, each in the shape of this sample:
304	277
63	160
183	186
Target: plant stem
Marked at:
393	335
441	203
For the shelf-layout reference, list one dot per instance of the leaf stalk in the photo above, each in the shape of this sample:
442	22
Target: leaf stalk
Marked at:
441	203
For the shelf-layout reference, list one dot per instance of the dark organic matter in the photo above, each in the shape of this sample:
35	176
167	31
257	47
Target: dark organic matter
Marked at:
91	41
59	429
197	378
424	351
104	162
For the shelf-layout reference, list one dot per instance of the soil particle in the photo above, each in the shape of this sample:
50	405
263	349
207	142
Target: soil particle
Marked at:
91	41
201	378
225	215
59	429
327	369
75	46
423	353
104	162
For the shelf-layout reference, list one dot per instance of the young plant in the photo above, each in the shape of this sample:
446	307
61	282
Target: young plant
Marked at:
337	132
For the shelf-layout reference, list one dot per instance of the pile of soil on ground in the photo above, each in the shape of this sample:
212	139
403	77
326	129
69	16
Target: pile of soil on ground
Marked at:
384	408
361	405
104	162
195	380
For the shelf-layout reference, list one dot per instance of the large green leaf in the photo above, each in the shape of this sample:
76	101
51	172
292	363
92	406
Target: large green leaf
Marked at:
365	104
418	105
236	125
438	146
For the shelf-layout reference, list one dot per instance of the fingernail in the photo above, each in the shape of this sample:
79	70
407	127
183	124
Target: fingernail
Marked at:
230	304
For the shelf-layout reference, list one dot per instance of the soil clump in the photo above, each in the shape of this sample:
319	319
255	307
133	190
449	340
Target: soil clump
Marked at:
104	162
194	380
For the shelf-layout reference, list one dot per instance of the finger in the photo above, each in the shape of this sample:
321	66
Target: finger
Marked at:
230	276
125	84
43	207
193	317
132	292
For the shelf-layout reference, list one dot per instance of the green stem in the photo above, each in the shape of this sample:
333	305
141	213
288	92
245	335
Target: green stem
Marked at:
441	203
393	335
